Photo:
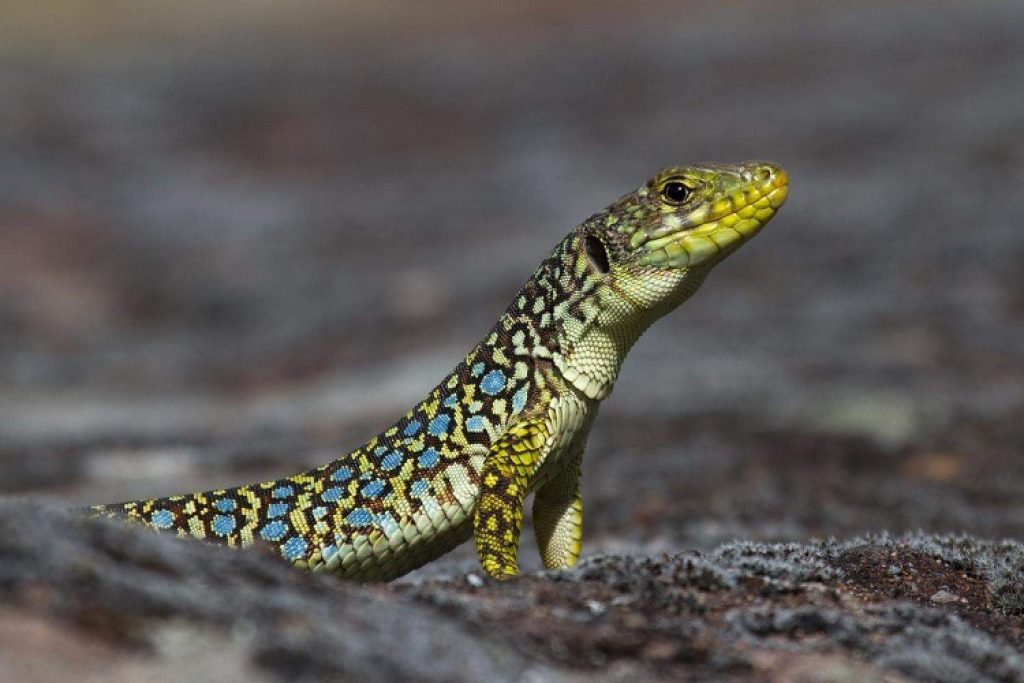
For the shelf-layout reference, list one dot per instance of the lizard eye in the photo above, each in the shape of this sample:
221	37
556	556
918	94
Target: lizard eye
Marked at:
675	192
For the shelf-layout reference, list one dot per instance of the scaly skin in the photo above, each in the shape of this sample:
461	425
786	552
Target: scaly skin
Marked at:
513	416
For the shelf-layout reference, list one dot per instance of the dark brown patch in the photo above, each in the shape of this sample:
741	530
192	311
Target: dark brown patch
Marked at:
876	573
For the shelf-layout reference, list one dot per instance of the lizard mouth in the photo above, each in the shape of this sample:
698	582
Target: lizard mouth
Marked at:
713	231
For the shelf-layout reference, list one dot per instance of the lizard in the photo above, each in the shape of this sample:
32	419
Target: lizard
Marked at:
513	417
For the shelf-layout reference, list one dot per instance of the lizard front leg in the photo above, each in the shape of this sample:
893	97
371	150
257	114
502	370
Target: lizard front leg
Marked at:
558	516
498	520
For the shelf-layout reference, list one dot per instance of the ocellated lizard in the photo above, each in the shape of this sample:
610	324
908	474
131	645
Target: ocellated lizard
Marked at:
513	416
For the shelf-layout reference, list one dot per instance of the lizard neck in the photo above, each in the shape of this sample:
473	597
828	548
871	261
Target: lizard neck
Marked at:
582	321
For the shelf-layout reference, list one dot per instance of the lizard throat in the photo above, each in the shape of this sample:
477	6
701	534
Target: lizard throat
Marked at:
593	385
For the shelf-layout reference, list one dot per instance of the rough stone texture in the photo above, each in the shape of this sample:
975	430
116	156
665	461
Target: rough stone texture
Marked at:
236	239
124	587
120	600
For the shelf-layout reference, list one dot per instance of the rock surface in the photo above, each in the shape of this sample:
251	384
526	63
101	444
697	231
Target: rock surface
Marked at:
121	602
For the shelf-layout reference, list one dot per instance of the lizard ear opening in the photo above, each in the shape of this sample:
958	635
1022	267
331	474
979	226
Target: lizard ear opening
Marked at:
597	254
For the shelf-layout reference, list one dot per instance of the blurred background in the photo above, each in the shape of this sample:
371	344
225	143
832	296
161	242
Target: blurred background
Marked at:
236	240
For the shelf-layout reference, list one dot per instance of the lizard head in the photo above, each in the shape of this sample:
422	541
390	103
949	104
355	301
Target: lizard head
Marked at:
685	219
653	247
649	251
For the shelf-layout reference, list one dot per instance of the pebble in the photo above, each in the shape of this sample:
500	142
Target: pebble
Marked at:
944	597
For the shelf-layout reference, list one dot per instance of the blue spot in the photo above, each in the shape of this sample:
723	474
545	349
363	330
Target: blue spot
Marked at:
477	369
274	531
162	519
429	458
373	489
439	425
519	399
332	495
359	517
392	460
419	487
319	512
225	505
342	474
476	424
277	510
223	525
380	450
386	523
412	427
294	548
327	552
493	382
283	492
450	401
